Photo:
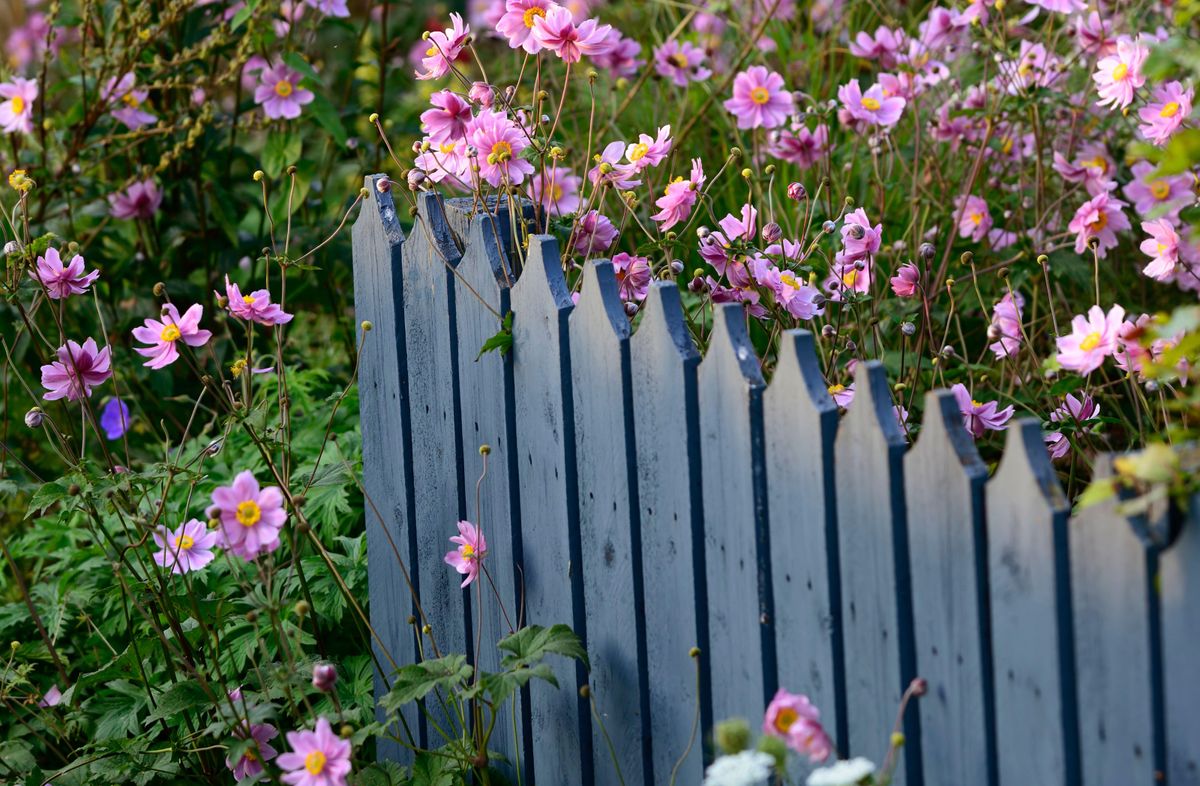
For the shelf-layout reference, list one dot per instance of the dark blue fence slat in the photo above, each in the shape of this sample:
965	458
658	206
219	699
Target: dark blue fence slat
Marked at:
1179	587
609	528
666	413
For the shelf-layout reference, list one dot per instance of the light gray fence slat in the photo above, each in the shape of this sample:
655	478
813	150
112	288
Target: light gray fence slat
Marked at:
1109	583
1036	730
944	481
872	546
482	288
428	324
383	409
609	526
549	507
666	414
804	543
741	642
1179	580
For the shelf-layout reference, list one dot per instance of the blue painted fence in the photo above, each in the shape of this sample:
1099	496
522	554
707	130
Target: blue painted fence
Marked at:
657	500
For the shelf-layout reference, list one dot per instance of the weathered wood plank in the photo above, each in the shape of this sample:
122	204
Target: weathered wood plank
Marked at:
873	546
1109	586
736	548
1036	724
804	542
387	458
944	482
667	419
610	527
1179	580
552	581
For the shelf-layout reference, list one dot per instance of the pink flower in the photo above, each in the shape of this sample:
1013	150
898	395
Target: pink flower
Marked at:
123	91
1093	167
739	227
449	118
622	176
1057	445
447	161
1162	247
1169	106
1094	35
1062	6
1101	218
255	307
317	758
76	371
444	48
16	114
472	548
976	219
163	334
633	276
792	718
792	292
1092	339
1006	325
483	94
883	46
873	107
1155	197
681	63
859	239
594	234
907	281
338	8
516	25
977	417
141	200
61	280
676	203
185	549
1034	67
798	145
557	189
251	763
1118	76
649	151
278	94
51	698
842	395
1080	410
499	143
759	99
251	518
557	32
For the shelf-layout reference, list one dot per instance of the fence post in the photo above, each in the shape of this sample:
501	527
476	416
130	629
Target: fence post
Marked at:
1179	587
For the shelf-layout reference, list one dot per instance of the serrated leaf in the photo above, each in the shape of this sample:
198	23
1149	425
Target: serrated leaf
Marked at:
282	149
177	698
502	341
419	679
529	645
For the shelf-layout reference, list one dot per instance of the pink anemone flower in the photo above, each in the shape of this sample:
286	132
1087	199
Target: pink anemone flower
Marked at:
251	517
1118	76
251	763
76	370
255	307
162	335
633	276
1169	106
279	93
444	48
978	417
141	200
16	113
317	758
62	281
187	548
557	31
1092	339
759	99
472	548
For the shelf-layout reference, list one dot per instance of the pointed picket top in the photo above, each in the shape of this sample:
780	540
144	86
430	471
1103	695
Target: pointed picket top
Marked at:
730	345
799	371
488	232
663	323
600	300
1026	465
542	288
872	405
379	208
944	435
431	231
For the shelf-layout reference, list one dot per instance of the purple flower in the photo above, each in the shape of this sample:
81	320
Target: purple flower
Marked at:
798	145
978	417
448	120
633	276
77	370
681	63
907	281
759	99
317	758
251	763
1006	325
51	698
255	307
278	93
621	57
556	188
472	548
16	113
842	395
187	548
444	48
61	280
1170	105
976	218
336	8
251	518
163	335
883	46
873	107
114	418
122	91
1057	444
1080	410
595	234
1101	218
141	200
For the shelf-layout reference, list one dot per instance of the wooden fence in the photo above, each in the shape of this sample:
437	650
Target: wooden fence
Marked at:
657	500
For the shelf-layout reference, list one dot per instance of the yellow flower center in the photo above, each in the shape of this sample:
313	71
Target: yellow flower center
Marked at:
502	151
1006	145
556	192
315	762
1160	189
1097	163
789	278
18	105
1120	72
976	218
1090	341
1024	68
184	542
850	277
532	14
248	299
283	88
760	95
679	60
870	104
1100	223
1170	109
447	148
130	100
248	513
431	51
1162	247
975	404
237	367
639	151
468	551
170	333
784	720
835	389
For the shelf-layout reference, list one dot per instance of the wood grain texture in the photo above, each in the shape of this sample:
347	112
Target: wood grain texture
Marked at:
610	527
944	483
552	580
667	420
741	641
803	522
383	411
1179	582
1036	727
1109	586
876	614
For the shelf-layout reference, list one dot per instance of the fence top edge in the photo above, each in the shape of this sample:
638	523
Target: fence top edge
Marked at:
943	425
873	408
378	205
600	299
662	314
1025	459
541	283
730	342
798	359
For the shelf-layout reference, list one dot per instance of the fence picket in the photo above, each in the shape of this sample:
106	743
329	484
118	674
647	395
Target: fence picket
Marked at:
666	417
1036	728
552	582
735	547
1179	587
804	542
1109	586
876	615
944	482
387	462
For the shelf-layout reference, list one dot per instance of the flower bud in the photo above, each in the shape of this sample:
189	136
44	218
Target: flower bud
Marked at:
856	231
796	191
696	284
908	328
34	417
259	175
302	608
828	227
747	173
324	677
772	232
927	251
919	686
732	736
367	326
676	266
383	185
631	309
485	449
828	331
12	247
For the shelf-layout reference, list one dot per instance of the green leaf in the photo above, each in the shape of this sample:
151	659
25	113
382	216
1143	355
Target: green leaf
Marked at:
176	699
282	148
1182	152
529	645
499	687
327	115
296	62
502	340
242	16
1098	491
418	680
431	770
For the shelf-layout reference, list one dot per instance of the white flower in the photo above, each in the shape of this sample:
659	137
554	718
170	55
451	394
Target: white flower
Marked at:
843	773
748	768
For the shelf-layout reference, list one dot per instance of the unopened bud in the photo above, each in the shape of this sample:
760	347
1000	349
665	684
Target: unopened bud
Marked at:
35	417
772	232
927	251
259	175
676	266
631	309
908	328
796	191
324	677
367	326
302	608
485	449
